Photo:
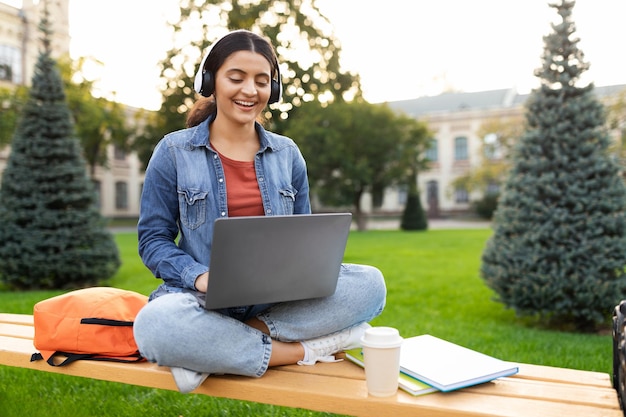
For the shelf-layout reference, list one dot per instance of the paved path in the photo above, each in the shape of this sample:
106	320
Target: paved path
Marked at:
373	224
433	224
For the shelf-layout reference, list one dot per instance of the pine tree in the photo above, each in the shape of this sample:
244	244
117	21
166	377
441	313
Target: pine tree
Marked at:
413	216
559	245
51	233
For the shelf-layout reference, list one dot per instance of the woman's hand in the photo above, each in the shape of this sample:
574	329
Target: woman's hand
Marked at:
202	282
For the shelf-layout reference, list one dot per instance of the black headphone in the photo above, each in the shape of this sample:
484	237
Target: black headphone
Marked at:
204	82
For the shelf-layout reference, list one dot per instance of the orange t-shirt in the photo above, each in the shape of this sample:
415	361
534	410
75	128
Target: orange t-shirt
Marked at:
242	188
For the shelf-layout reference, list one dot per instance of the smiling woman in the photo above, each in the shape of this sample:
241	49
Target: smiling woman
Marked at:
226	164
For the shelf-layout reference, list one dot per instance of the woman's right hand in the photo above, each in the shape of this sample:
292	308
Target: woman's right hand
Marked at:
202	282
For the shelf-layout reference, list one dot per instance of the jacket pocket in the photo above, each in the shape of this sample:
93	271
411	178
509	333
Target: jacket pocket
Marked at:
192	206
288	198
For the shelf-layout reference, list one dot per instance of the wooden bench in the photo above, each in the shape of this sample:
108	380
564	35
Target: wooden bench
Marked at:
340	387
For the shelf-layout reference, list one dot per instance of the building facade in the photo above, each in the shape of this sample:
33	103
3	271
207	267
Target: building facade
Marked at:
20	38
459	124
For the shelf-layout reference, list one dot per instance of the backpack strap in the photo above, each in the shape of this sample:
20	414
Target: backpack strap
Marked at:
73	357
619	352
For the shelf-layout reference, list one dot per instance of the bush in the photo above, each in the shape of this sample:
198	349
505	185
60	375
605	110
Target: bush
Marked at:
413	216
486	206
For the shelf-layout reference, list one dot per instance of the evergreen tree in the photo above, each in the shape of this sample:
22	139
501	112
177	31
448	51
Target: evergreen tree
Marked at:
413	216
51	233
559	245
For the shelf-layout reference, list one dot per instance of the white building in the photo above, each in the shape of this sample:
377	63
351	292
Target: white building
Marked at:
456	121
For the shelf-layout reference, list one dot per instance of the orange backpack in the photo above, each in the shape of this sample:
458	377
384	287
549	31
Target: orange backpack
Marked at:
92	323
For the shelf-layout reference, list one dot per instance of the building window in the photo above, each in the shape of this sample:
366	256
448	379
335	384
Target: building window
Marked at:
402	195
10	64
491	146
461	195
432	153
432	191
460	149
98	191
121	195
493	188
6	72
119	154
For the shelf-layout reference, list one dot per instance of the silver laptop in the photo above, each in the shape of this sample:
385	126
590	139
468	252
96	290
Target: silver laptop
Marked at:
266	259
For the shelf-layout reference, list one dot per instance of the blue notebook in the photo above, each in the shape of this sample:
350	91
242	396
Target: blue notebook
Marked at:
448	366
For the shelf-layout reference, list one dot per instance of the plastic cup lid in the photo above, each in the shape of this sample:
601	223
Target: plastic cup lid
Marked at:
382	337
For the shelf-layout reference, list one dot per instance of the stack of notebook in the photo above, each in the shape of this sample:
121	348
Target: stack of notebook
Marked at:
429	364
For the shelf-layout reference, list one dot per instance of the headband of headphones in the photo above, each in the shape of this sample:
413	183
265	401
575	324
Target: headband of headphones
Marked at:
204	81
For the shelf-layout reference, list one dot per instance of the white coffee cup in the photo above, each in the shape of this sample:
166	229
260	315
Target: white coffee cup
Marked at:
381	356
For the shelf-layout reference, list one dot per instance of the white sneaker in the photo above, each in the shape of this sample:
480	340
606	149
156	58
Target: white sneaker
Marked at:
323	348
187	380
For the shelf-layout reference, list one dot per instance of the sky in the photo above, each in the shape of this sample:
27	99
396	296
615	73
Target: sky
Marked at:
402	49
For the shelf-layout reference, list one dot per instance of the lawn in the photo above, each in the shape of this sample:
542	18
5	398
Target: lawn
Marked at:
433	287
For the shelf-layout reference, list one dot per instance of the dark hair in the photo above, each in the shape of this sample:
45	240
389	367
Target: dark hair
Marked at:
235	41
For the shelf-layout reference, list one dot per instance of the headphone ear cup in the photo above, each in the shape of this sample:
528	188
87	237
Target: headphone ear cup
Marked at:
208	84
275	92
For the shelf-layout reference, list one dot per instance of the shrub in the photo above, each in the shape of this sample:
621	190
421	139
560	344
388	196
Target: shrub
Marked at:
486	206
413	216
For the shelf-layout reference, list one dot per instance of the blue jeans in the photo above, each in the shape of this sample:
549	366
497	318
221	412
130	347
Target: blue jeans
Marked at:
175	330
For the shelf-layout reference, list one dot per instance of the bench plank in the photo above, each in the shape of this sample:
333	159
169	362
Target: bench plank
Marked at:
547	391
26	319
17	330
340	387
565	375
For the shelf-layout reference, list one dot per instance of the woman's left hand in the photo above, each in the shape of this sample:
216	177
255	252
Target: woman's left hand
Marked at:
202	282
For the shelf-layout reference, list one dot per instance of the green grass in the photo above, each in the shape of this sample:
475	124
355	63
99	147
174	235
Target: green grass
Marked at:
433	287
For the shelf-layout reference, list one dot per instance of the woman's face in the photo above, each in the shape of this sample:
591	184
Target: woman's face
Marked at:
243	86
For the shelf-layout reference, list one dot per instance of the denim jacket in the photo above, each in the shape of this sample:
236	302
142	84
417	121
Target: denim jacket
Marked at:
184	192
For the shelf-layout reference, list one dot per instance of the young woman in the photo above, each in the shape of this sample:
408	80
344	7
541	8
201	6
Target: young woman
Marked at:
213	169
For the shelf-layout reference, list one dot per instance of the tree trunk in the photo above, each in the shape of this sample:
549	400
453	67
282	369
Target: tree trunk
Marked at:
361	218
